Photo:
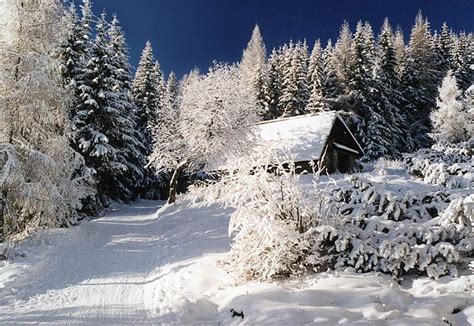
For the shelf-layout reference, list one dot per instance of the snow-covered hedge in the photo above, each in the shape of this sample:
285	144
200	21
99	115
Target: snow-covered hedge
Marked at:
444	164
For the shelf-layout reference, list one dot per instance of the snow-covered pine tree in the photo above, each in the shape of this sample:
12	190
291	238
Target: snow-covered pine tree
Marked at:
274	85
361	87
450	120
74	55
342	55
72	51
129	140
332	87
104	125
172	87
400	52
253	68
446	47
37	182
463	60
294	94
317	81
388	84
147	93
420	82
303	85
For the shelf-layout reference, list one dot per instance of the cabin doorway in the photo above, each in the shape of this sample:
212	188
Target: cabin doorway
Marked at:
343	162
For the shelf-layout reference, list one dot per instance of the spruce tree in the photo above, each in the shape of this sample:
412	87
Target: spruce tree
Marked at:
388	84
253	70
342	55
372	127
274	86
446	47
331	85
463	60
147	94
294	94
130	141
400	52
105	127
317	81
172	87
420	82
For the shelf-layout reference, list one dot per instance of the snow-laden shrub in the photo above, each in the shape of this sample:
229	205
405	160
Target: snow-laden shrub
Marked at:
444	164
271	213
399	234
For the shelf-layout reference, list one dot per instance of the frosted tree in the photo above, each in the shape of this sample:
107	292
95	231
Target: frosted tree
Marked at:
214	124
147	93
446	47
294	94
463	60
317	80
469	107
172	87
274	86
271	207
420	80
400	52
105	133
450	119
372	127
389	86
342	55
254	69
331	86
128	140
37	181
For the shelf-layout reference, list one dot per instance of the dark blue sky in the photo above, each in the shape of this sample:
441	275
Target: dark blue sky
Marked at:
192	33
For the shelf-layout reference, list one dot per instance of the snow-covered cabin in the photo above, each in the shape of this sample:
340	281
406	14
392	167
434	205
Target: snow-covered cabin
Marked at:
312	137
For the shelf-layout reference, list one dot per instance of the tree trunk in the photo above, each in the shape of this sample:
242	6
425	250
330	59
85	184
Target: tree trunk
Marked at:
174	183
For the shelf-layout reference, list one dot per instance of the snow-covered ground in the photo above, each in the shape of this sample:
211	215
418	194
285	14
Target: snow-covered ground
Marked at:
137	265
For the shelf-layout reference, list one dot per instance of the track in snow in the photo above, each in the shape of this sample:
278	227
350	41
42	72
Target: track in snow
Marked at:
131	266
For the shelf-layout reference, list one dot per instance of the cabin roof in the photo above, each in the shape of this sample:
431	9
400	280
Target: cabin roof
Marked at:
304	136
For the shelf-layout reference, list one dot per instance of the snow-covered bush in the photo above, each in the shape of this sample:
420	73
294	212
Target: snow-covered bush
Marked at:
384	232
444	164
271	213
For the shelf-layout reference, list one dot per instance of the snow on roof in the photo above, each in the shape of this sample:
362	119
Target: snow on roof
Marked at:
304	136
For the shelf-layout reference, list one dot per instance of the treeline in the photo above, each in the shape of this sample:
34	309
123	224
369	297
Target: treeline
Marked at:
388	86
112	112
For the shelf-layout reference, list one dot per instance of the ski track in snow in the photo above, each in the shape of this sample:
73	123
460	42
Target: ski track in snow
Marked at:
139	266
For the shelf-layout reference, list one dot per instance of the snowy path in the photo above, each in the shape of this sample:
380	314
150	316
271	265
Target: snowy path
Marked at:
127	267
